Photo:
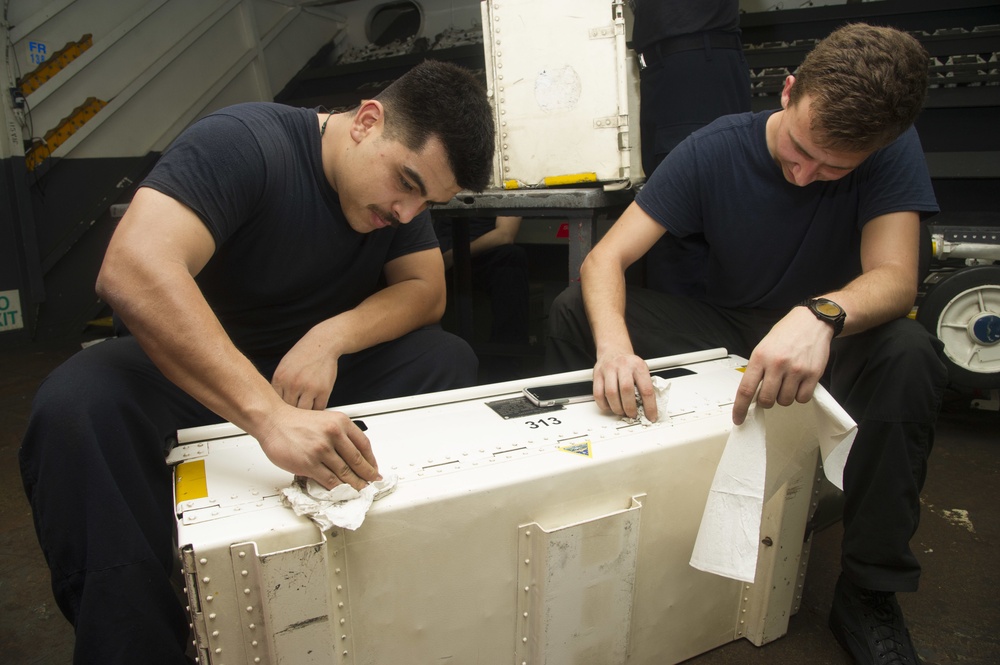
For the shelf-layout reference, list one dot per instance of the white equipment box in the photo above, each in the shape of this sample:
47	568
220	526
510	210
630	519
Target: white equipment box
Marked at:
516	534
565	91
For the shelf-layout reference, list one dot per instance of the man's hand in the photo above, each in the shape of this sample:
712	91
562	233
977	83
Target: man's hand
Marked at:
787	364
616	378
323	445
305	376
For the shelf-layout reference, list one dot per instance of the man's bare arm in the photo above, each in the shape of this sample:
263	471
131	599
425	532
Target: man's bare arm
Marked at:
790	360
148	279
618	372
414	297
502	234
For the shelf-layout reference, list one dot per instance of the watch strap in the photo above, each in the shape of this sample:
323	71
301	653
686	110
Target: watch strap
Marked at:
836	322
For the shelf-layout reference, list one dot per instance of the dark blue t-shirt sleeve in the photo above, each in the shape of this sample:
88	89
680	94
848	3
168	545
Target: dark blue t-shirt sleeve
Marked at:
895	179
670	196
216	168
415	236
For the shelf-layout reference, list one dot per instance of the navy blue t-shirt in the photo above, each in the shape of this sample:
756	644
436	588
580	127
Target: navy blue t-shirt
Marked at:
764	242
285	257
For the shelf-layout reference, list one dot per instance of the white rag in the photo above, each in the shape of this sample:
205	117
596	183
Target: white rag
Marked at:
342	506
662	388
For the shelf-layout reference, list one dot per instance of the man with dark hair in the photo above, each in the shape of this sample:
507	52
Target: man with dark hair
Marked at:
274	262
808	219
415	120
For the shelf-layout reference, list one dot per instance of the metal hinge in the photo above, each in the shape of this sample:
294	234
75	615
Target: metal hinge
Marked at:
199	629
606	31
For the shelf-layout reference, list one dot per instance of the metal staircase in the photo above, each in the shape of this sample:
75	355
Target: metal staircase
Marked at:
95	90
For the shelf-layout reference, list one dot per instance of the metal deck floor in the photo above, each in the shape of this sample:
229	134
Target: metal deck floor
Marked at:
953	618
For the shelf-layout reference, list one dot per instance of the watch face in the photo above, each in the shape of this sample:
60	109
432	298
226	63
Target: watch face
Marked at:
828	308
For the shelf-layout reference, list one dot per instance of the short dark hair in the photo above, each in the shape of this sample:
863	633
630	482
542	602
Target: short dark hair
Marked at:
866	84
447	101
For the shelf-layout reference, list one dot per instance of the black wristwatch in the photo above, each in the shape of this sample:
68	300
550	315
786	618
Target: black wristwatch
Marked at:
826	310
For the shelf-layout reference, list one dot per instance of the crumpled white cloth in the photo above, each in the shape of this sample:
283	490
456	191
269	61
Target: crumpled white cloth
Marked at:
662	388
342	506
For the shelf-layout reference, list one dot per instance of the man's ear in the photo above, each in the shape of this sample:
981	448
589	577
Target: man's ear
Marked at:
786	90
368	118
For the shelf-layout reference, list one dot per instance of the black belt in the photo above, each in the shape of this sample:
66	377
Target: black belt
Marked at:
656	53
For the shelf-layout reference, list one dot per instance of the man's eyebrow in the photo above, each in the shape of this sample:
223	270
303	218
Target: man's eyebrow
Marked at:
415	177
798	146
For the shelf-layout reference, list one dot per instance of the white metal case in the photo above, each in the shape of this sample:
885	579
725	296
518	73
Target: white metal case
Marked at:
565	91
550	536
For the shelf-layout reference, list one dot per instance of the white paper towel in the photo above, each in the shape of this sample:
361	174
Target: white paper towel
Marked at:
760	455
727	538
342	506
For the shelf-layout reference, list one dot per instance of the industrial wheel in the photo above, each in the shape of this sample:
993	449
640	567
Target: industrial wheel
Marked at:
963	310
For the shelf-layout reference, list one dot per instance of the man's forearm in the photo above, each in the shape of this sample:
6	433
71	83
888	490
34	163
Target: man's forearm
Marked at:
487	241
875	297
887	286
183	337
384	316
603	289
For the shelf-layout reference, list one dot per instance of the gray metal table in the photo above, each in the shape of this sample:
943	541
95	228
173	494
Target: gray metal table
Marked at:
582	207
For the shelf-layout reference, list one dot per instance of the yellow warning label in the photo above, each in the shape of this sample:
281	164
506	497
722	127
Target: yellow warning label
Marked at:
581	448
189	481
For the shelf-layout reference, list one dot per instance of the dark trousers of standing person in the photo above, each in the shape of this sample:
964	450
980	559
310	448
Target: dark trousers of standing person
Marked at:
688	82
890	379
502	273
92	463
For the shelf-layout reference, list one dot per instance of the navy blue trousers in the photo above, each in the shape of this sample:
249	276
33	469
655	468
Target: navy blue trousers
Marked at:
92	463
681	93
890	379
686	91
502	273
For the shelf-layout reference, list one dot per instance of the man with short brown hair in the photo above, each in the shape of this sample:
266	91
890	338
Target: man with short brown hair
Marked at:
806	222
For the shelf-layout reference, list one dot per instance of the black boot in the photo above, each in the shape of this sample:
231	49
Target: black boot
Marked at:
869	625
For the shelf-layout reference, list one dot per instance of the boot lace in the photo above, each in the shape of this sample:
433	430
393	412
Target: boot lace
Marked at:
886	627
